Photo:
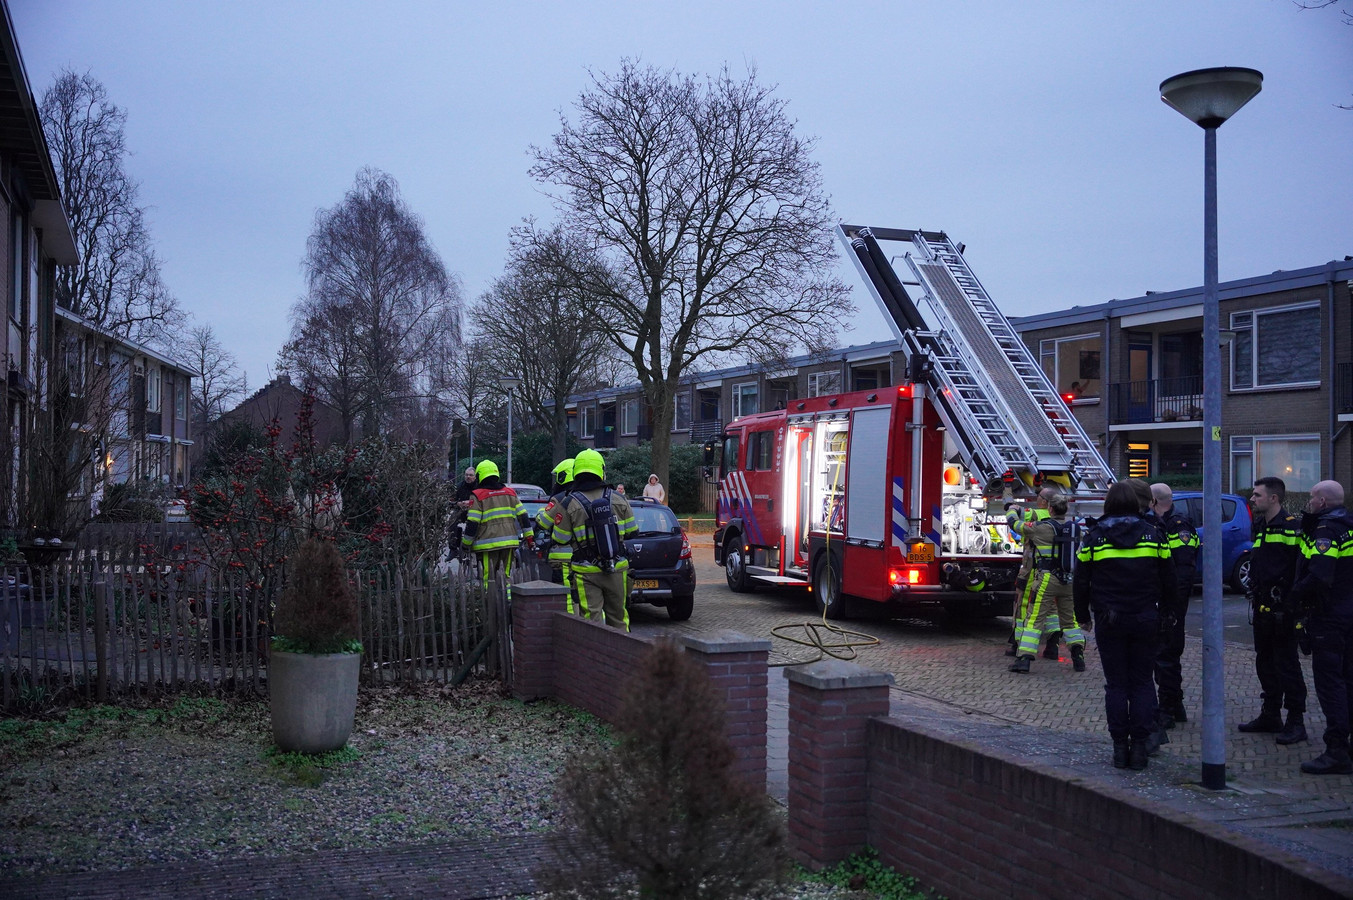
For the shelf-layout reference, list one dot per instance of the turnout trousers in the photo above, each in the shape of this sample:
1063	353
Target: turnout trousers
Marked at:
1047	605
602	595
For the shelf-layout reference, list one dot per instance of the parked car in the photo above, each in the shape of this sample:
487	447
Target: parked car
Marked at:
1237	535
526	492
661	570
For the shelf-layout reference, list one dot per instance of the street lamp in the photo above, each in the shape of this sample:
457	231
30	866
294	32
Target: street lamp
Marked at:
1208	97
509	383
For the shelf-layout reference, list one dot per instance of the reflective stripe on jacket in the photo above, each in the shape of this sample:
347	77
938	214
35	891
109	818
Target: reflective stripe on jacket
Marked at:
496	520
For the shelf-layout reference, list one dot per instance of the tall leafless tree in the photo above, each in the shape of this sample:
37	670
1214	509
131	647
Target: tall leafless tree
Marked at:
708	211
219	384
540	323
116	285
380	313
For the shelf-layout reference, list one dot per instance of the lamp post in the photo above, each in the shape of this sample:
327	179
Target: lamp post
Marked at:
1208	97
509	383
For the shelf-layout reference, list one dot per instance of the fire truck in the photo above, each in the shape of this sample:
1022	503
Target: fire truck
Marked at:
898	495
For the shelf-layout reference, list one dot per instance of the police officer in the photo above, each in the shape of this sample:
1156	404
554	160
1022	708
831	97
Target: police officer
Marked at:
1048	549
600	584
1125	575
1324	586
1183	541
544	528
1273	565
496	522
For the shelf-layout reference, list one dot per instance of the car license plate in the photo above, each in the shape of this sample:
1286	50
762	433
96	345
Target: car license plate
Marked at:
921	553
645	584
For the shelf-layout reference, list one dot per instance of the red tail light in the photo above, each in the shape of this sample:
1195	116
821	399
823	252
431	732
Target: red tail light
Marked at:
908	575
685	546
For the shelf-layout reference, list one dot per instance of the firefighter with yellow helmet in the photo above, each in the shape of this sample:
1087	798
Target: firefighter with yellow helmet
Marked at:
495	524
591	525
544	529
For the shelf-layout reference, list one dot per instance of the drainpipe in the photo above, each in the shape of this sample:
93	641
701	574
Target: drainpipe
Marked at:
1329	472
1106	401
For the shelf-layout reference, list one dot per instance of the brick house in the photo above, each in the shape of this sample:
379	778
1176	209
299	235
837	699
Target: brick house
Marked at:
281	400
1134	372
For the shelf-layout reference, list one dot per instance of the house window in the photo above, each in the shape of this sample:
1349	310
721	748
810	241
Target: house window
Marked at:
589	416
1276	347
823	383
181	398
744	399
868	379
1072	364
19	230
681	413
629	417
1293	458
153	384
760	450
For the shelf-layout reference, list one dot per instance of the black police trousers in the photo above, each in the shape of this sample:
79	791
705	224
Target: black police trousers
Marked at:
1169	675
1281	683
1332	666
1127	653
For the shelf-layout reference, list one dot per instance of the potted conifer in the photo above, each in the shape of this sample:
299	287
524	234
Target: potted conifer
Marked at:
316	655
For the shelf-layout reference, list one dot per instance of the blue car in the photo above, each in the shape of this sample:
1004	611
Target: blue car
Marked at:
1237	536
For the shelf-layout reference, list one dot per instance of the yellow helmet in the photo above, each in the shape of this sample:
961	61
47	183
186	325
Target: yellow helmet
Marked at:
589	461
563	473
485	469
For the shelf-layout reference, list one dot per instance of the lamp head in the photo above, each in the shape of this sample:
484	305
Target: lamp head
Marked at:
1208	97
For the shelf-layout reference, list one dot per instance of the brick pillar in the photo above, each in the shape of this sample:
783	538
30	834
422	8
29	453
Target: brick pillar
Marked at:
830	703
534	604
737	666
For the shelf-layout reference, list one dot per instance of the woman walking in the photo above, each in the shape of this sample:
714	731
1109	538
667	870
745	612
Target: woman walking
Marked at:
1125	577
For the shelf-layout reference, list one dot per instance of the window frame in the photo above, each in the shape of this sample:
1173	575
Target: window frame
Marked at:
760	444
588	417
629	417
1048	349
1246	446
815	383
154	388
676	411
1254	335
738	411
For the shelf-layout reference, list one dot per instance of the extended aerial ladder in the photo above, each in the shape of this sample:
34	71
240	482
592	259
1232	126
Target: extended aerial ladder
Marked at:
1008	423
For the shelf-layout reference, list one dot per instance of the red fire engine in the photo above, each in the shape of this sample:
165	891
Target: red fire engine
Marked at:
897	495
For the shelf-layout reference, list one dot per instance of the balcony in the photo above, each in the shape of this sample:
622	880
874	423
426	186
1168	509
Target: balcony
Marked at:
1157	400
1343	388
706	430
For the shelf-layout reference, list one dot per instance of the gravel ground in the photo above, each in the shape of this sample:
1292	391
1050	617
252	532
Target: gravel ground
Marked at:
114	788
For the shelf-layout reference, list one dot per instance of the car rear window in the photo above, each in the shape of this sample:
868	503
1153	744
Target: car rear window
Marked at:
655	518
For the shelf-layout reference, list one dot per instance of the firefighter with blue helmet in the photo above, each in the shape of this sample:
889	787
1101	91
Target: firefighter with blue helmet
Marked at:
590	526
495	524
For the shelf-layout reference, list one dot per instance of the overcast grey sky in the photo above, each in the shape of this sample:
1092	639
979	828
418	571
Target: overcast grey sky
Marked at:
1032	131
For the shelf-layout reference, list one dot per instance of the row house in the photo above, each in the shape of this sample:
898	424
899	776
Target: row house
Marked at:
1133	373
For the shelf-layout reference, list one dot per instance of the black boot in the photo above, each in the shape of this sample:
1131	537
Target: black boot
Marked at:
1331	762
1078	657
1294	732
1050	651
1021	665
1164	721
1120	754
1154	742
1177	712
1137	754
1269	721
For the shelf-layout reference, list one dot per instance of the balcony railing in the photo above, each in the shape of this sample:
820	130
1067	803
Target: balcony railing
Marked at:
1157	400
703	431
1343	388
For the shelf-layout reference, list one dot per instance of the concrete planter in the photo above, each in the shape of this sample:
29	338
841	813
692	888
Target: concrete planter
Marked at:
313	699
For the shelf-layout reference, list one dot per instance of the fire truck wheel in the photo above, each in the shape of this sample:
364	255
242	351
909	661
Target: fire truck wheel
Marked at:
735	564
827	586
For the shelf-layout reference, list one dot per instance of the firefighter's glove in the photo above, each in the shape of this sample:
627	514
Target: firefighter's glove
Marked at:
1303	631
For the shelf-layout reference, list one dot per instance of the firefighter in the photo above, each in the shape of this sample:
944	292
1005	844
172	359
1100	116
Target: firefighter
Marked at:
1324	586
1183	540
1273	565
544	529
591	524
1049	548
1124	573
495	524
1016	521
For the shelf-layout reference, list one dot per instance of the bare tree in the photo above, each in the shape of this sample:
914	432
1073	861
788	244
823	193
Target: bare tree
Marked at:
540	323
1322	4
380	312
116	285
473	394
708	211
219	384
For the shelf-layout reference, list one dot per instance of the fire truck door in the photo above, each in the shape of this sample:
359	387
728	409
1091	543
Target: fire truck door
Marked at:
868	496
801	442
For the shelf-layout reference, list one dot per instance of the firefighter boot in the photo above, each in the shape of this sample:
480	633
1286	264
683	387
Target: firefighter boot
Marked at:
1269	721
1331	762
1137	754
1120	754
1050	651
1021	665
1078	657
1294	732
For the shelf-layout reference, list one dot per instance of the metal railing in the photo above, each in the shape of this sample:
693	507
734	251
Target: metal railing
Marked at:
1157	400
703	431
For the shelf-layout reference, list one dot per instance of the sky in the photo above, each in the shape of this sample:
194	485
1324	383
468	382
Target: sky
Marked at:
1031	131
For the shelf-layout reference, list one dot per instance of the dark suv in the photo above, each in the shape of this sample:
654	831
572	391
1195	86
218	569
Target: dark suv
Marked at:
661	571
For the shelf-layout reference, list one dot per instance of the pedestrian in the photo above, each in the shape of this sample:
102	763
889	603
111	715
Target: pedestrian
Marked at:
654	490
620	488
1273	566
460	505
1324	586
495	524
1183	540
592	523
1049	548
1123	577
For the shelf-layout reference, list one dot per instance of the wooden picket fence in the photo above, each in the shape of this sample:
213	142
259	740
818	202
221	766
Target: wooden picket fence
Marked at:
132	611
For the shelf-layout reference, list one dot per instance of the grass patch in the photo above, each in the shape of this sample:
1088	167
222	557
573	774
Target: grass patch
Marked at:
864	872
310	769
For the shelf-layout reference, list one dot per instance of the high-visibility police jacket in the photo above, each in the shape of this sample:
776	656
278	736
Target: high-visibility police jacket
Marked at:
1123	568
1277	551
496	520
1183	539
1325	575
570	535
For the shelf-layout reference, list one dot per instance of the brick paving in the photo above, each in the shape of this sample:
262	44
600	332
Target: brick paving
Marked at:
954	680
